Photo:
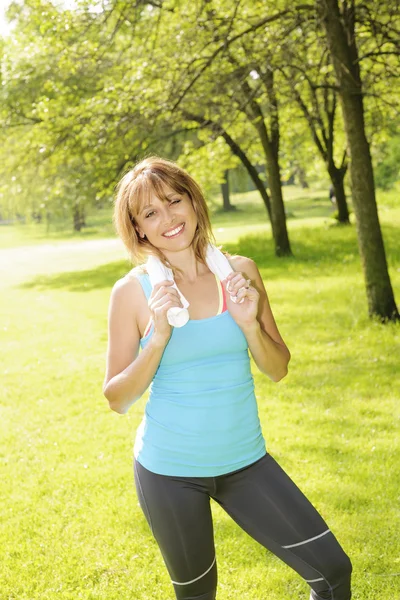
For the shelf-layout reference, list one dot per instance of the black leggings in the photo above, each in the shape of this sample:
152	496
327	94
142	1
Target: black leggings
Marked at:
265	502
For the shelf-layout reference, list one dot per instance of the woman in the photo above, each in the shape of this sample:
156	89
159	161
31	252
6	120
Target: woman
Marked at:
200	437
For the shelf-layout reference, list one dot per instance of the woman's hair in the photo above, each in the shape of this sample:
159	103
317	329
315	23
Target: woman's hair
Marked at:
135	189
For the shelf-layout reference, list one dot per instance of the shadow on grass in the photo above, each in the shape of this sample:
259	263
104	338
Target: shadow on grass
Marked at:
81	281
254	213
318	252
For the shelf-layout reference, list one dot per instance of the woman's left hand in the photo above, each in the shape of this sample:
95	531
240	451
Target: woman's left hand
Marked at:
244	313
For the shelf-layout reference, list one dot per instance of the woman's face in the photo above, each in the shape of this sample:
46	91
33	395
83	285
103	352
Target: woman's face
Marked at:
168	225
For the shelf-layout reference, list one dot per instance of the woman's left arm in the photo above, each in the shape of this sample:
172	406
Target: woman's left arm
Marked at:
255	318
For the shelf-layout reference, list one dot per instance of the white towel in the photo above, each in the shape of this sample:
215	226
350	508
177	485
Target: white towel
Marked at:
216	262
158	272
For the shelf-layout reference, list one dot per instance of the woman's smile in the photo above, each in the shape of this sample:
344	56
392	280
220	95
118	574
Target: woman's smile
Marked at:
173	233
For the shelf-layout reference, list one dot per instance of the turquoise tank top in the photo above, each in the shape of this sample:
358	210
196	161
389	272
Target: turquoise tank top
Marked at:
201	418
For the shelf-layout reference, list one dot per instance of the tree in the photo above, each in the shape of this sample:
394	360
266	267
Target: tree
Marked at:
339	26
67	108
309	79
263	114
226	200
210	72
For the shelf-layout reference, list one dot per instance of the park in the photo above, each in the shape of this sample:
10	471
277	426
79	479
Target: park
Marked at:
298	153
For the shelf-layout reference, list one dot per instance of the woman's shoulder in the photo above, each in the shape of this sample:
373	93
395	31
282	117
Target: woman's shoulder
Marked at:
137	271
130	282
241	263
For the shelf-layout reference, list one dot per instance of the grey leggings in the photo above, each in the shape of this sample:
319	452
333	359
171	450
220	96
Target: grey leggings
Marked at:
265	502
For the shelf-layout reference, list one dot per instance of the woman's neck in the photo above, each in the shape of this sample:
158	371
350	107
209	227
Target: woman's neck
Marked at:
190	267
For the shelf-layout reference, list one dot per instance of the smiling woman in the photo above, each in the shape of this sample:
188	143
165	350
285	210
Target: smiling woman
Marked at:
157	197
200	436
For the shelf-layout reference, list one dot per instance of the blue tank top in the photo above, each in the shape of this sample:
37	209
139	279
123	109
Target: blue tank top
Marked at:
201	418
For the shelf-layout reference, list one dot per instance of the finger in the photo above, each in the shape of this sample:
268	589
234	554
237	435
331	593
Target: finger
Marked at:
165	307
241	293
229	287
166	282
163	290
157	303
232	281
234	276
244	283
247	292
167	290
237	284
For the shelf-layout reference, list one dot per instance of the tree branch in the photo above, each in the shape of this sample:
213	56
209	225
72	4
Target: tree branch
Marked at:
230	41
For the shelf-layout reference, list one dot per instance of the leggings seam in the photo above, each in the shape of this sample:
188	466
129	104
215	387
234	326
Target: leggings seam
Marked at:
311	567
239	521
196	578
144	499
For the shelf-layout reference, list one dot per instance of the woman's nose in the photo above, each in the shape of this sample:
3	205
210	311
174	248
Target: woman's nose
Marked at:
167	216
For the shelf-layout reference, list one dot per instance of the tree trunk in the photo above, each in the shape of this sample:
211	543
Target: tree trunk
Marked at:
337	178
339	30
227	206
78	216
278	216
301	175
48	221
237	151
252	171
270	143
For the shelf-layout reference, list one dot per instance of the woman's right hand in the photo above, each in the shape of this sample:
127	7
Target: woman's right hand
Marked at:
162	298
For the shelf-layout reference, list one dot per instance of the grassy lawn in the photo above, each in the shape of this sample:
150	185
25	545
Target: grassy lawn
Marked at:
71	526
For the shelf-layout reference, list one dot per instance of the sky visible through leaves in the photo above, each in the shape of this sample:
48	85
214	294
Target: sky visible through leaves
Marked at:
5	27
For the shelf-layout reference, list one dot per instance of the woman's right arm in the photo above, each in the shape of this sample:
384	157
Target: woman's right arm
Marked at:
128	372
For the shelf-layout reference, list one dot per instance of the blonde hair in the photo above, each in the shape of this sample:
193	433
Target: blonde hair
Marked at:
151	176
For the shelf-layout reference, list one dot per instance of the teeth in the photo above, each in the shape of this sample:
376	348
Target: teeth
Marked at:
174	231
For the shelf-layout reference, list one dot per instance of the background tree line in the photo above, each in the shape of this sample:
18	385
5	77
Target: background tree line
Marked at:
88	91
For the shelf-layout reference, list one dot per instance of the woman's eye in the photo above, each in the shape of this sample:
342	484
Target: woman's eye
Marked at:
171	202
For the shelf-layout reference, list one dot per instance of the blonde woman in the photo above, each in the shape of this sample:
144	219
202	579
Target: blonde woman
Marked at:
200	437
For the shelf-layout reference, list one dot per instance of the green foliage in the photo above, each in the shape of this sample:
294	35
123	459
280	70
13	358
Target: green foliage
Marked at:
387	171
207	162
87	91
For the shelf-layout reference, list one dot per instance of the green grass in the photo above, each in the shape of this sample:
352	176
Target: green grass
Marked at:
71	527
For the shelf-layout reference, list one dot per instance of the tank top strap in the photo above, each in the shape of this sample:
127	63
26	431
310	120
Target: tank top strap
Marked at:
144	281
222	307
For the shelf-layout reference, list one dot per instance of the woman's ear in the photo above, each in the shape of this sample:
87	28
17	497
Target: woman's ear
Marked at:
140	233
